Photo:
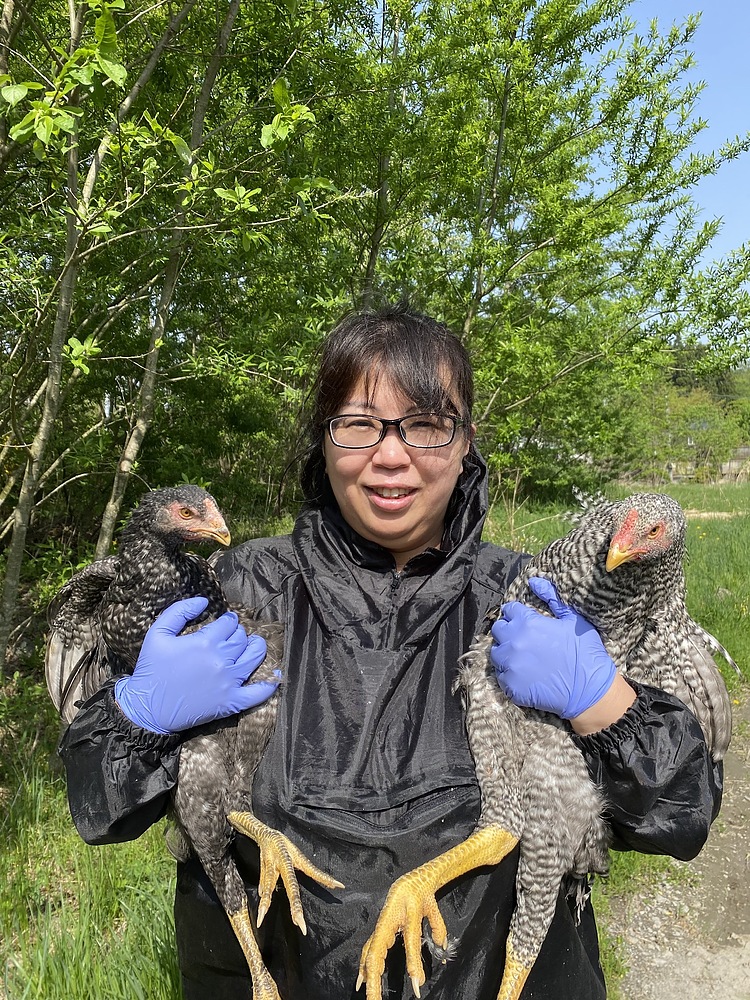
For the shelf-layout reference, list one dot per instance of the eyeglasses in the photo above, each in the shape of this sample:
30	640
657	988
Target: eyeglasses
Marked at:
418	430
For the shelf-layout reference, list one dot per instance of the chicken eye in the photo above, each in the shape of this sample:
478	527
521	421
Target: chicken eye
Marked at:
655	531
186	513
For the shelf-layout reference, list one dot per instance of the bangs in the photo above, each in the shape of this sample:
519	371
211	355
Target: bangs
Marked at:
419	358
414	381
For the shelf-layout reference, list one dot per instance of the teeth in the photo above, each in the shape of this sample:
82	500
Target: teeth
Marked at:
382	492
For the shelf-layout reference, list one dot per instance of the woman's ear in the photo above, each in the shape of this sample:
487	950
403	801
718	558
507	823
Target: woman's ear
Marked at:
470	435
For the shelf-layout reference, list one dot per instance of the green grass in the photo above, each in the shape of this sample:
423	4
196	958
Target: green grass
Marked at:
629	873
96	922
75	921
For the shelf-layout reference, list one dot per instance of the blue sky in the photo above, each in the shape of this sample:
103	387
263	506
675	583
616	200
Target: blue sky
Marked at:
722	51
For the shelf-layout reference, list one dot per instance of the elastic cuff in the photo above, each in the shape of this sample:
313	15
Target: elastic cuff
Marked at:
621	729
137	735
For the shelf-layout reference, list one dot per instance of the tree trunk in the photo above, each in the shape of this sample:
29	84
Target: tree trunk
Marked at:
381	202
487	210
145	408
6	21
27	494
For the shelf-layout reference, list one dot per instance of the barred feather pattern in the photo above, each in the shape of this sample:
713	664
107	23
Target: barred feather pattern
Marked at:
533	779
97	625
639	608
217	768
98	620
534	783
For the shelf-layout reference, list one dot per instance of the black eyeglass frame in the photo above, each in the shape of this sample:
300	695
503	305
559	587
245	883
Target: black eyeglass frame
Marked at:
394	422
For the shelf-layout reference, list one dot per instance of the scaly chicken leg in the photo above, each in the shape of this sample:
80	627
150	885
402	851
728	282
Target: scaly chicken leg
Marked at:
411	899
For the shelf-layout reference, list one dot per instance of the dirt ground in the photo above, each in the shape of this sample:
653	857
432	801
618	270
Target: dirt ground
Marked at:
689	938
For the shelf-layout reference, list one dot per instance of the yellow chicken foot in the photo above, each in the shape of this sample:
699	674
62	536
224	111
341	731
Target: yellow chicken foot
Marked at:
411	899
264	988
278	859
515	975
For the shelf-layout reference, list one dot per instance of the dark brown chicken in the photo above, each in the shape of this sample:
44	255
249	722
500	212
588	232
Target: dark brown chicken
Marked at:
97	624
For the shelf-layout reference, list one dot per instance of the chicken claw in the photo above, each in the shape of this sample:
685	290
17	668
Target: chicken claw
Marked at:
278	859
411	899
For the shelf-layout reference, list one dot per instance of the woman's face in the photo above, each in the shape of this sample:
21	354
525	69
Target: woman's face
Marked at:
390	493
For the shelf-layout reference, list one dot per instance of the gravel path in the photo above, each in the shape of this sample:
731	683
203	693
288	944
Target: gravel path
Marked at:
689	939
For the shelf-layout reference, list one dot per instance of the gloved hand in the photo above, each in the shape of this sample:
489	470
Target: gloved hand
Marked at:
181	681
555	664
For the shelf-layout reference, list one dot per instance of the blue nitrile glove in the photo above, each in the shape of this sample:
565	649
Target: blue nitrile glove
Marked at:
181	681
555	664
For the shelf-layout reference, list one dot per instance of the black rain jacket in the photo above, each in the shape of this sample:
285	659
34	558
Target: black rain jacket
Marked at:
369	770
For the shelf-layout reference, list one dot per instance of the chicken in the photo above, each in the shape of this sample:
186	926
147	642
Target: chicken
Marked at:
97	624
622	568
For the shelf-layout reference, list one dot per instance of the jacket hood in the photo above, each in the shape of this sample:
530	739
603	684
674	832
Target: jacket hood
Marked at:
337	563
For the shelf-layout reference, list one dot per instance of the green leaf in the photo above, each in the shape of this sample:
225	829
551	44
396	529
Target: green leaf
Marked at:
115	71
153	122
14	93
65	121
44	126
181	148
281	93
266	136
25	128
106	33
226	194
85	74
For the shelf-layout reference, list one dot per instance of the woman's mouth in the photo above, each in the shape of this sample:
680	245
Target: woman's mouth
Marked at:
392	498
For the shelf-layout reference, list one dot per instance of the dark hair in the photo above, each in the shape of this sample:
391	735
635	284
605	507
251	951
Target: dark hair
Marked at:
419	356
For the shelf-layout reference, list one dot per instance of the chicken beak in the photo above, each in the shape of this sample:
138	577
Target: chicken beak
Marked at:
618	555
215	530
219	533
213	526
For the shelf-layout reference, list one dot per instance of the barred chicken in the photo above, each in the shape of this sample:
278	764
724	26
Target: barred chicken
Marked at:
621	567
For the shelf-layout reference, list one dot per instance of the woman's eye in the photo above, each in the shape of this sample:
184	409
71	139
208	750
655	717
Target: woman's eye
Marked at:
358	422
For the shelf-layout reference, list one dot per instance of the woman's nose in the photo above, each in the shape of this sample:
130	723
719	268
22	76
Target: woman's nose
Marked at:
392	450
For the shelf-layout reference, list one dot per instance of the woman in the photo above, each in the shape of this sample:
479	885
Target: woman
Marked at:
381	586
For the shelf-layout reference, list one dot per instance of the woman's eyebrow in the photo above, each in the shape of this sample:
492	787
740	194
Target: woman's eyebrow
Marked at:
359	406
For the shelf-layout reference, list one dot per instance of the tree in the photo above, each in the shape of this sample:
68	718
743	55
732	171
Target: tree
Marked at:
132	201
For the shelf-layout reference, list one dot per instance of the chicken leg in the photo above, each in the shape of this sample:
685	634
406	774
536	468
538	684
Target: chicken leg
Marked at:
411	899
